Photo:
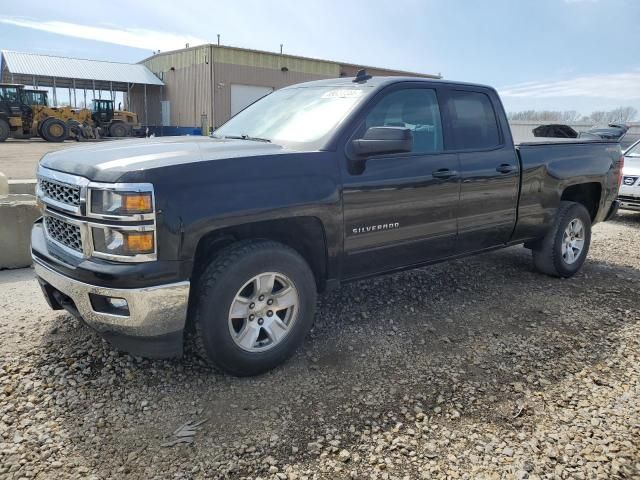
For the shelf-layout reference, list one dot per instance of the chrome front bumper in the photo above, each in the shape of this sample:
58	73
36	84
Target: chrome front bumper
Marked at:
628	202
153	311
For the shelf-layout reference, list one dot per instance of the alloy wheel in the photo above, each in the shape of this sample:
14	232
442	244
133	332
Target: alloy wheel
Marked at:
263	312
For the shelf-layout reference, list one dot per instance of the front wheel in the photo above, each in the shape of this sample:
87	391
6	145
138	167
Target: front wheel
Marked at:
562	252
54	130
119	130
254	304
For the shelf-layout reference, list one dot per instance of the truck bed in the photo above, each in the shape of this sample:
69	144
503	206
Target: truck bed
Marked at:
550	166
563	141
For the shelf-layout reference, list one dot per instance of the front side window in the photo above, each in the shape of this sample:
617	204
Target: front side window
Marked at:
473	121
302	117
412	108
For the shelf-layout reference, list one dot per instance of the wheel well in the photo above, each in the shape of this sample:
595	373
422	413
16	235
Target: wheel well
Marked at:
303	234
588	194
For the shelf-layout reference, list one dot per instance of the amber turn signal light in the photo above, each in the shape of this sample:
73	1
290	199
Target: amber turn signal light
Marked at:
137	203
138	242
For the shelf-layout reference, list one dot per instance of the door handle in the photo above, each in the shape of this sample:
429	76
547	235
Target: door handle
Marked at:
505	168
444	173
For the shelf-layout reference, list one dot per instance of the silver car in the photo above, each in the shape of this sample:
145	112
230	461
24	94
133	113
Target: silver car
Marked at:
629	193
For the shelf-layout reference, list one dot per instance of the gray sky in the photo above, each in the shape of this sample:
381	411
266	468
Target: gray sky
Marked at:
540	54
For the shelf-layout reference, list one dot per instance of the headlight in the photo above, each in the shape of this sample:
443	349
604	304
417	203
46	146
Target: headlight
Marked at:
122	243
115	203
126	230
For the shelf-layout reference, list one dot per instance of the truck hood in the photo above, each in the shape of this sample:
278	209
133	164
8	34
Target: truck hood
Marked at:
107	161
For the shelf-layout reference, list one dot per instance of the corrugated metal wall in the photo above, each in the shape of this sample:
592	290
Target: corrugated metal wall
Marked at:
187	77
189	91
274	61
226	74
249	67
347	70
191	80
194	75
136	104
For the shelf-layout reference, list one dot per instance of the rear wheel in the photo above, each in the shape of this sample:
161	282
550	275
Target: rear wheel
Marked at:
119	130
5	129
254	304
562	252
54	130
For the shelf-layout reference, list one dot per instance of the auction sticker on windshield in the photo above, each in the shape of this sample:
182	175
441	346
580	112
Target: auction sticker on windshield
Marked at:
343	93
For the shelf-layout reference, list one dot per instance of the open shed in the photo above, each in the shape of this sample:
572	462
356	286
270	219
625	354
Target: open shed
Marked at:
80	76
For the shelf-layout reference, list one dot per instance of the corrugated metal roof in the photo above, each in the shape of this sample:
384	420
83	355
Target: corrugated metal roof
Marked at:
65	67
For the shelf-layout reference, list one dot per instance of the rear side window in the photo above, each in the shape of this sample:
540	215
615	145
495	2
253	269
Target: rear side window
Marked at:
473	120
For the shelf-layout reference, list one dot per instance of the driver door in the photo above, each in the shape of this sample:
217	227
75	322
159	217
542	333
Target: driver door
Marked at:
401	209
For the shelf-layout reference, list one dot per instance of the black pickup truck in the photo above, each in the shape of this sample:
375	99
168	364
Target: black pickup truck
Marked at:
230	237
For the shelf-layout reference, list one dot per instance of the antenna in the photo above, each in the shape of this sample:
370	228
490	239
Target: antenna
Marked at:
362	76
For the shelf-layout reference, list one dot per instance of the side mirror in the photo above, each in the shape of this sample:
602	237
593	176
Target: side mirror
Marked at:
378	140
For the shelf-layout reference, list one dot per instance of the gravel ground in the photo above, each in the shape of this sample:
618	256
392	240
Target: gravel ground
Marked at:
480	368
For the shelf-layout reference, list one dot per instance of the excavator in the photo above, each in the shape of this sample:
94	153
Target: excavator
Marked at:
25	113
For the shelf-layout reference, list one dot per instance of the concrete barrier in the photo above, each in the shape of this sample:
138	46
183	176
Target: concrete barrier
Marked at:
17	214
23	187
4	185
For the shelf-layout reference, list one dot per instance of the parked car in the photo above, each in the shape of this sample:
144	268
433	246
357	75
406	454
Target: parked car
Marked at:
231	237
629	195
555	131
614	131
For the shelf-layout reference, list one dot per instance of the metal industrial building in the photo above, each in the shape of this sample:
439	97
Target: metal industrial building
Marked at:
205	85
83	80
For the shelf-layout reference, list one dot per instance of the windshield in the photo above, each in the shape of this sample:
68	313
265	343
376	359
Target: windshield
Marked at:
634	151
34	98
302	117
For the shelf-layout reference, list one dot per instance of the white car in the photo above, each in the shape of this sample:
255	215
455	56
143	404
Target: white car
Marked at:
629	193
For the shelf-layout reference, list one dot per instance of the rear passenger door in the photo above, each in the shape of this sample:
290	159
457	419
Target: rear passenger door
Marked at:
489	168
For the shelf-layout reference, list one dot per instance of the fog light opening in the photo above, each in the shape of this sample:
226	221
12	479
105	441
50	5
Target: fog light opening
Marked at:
109	305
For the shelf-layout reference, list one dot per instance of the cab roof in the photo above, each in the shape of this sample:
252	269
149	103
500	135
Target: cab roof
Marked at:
380	81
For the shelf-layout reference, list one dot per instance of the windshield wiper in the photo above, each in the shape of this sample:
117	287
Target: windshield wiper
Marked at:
247	137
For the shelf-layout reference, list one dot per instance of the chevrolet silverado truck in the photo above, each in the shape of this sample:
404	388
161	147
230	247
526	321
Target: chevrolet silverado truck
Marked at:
231	237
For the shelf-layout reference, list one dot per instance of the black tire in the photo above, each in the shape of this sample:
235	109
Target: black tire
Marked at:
75	130
119	130
217	287
54	130
547	255
5	129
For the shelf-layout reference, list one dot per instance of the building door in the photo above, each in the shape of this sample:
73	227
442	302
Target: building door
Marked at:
244	95
401	209
166	113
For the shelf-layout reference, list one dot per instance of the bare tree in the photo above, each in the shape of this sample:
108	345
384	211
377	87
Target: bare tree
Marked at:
622	115
546	116
599	117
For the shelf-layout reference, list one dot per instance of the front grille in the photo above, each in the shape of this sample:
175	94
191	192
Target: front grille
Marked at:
65	233
60	192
